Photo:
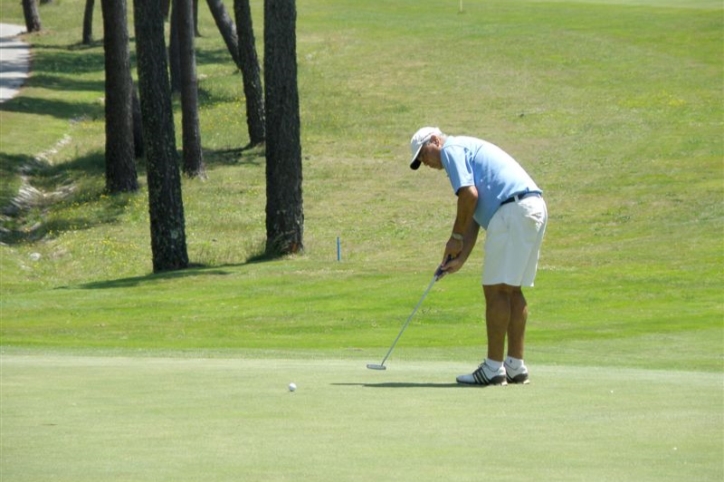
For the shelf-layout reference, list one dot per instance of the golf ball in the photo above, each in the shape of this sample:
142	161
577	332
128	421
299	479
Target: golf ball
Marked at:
292	387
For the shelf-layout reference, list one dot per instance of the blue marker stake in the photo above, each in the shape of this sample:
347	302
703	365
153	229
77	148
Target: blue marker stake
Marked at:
339	250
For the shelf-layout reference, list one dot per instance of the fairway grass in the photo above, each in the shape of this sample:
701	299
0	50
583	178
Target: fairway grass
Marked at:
157	419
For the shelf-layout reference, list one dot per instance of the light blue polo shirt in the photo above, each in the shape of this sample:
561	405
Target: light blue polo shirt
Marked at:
494	173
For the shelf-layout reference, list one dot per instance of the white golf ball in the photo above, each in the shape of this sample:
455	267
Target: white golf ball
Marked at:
292	387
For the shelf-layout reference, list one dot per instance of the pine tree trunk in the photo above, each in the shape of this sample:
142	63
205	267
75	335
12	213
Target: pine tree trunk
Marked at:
168	235
174	59
196	19
120	162
137	125
193	162
284	212
32	17
165	8
88	22
250	73
226	28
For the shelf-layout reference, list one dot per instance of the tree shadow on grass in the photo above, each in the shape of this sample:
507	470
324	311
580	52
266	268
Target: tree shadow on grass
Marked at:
72	60
218	56
151	278
248	155
194	269
60	109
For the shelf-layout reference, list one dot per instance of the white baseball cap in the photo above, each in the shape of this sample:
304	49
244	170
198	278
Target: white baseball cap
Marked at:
418	140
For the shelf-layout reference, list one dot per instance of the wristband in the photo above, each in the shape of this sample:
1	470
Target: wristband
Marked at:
457	236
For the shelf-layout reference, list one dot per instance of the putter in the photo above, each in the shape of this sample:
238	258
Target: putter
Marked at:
372	366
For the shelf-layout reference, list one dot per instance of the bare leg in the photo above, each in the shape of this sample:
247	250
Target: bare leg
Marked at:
516	327
498	309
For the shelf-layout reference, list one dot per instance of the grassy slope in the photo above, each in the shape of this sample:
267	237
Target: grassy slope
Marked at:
615	110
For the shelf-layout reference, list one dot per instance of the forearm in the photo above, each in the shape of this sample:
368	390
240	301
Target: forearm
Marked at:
469	239
457	252
463	226
467	201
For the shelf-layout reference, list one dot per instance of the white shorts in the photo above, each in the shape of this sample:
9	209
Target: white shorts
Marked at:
512	242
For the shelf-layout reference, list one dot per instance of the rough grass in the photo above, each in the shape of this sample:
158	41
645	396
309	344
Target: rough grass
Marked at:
615	110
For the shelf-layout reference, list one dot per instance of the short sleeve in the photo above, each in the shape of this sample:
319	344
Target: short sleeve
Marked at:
458	166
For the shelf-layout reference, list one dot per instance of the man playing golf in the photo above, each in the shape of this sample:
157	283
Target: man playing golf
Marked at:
493	192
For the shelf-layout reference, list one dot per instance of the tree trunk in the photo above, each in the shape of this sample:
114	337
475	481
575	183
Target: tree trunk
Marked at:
250	69
168	235
196	19
88	22
173	51
165	8
226	28
120	164
137	125
284	213
32	17
193	162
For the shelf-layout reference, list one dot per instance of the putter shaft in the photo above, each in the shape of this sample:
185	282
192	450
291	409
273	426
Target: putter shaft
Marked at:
381	366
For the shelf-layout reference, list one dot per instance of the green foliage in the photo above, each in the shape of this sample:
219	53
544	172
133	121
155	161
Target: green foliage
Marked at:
616	110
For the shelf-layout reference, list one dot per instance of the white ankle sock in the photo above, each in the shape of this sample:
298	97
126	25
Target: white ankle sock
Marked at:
513	363
493	365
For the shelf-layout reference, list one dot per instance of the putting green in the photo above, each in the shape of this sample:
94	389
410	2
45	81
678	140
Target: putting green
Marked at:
91	418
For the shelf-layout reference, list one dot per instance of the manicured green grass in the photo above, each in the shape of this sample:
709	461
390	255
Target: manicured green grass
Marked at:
615	108
149	419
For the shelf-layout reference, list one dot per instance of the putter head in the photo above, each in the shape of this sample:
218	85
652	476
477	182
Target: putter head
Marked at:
373	366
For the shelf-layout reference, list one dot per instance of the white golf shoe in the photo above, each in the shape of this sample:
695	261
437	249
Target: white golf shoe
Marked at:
484	376
517	375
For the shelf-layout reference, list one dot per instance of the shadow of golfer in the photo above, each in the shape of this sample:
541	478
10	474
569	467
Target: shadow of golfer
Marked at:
400	385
